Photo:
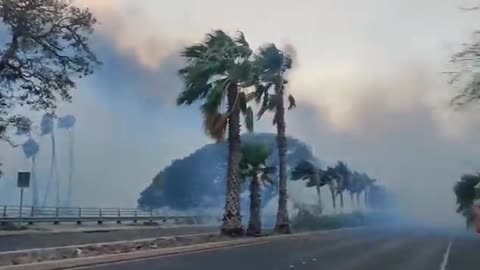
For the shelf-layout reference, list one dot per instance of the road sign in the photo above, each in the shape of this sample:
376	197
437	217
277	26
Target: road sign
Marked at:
23	180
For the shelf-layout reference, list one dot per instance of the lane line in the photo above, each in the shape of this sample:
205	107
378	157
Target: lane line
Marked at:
443	266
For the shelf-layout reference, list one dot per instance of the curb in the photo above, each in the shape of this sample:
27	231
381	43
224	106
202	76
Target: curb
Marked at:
132	256
153	253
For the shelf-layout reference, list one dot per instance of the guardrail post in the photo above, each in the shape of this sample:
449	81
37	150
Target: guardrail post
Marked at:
100	222
32	214
5	211
79	221
135	215
118	214
57	214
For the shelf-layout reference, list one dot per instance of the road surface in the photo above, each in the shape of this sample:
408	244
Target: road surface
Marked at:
361	249
101	235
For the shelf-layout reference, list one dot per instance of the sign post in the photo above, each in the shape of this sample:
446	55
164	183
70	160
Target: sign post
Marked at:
23	181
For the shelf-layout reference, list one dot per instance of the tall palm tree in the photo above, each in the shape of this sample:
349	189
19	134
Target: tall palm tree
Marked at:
255	170
218	71
368	183
271	66
465	193
354	186
344	180
306	170
332	179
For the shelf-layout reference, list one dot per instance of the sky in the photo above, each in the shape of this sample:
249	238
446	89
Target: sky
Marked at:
369	80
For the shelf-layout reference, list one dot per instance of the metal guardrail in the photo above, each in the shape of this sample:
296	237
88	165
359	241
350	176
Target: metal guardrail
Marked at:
79	215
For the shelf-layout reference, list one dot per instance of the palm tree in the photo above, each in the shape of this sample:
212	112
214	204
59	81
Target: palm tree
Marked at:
344	179
332	179
254	169
218	71
465	193
306	170
271	66
354	186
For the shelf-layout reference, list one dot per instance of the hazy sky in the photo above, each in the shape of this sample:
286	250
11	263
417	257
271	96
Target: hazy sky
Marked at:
368	80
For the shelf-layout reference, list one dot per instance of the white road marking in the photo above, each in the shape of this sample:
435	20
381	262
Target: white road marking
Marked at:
443	266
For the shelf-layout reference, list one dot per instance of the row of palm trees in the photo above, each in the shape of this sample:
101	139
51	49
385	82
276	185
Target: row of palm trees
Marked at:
256	172
338	178
226	76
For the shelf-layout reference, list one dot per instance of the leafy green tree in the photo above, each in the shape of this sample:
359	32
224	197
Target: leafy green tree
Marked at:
47	48
315	177
254	169
271	66
465	193
217	72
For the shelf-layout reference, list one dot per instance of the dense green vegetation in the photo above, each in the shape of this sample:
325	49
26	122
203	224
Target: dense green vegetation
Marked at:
198	180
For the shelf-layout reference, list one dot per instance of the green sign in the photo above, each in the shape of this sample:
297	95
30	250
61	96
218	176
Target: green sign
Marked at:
23	180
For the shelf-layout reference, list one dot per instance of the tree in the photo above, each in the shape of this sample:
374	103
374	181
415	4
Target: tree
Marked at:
466	75
48	47
219	70
368	183
344	179
355	187
465	193
254	170
271	65
307	171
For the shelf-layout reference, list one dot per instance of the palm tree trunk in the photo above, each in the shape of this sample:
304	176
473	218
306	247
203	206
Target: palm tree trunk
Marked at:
232	219
366	198
34	182
341	199
334	203
351	198
358	199
255	223
320	204
283	223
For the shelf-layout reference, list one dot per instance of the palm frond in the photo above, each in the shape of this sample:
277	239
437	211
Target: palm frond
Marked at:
269	104
215	125
195	51
241	39
270	59
215	97
303	170
292	102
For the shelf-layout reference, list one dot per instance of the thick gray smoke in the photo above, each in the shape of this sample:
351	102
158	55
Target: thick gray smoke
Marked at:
369	86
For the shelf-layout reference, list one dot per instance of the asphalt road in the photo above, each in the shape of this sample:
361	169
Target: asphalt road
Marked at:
46	240
361	249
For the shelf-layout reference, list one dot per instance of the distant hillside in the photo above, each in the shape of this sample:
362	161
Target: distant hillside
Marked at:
198	181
